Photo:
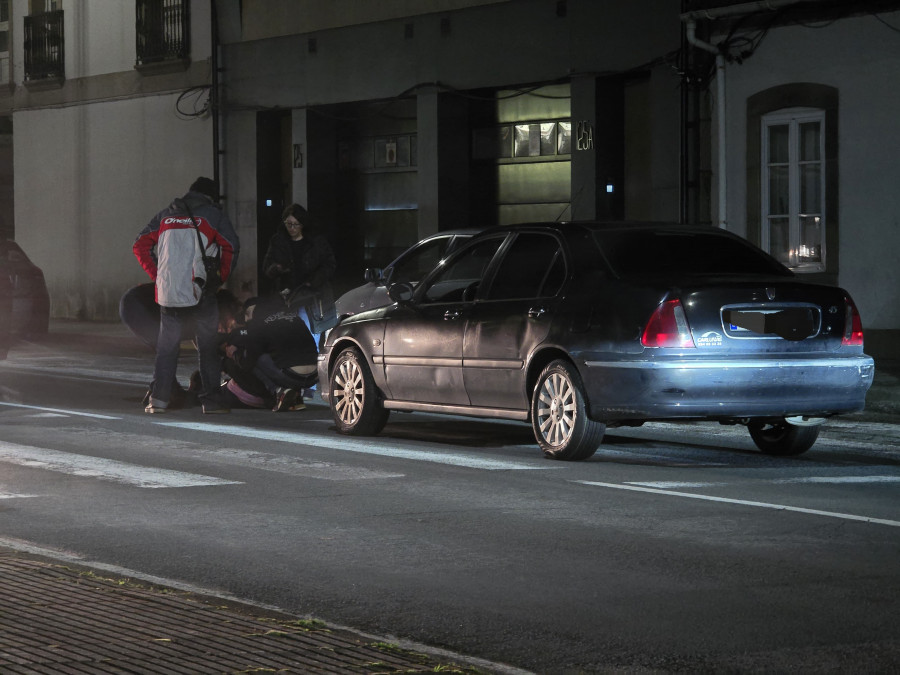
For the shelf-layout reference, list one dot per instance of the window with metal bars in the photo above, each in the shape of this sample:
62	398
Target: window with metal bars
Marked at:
44	46
163	31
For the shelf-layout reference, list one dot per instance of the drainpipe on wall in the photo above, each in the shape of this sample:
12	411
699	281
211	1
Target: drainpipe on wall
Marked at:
690	21
690	34
214	92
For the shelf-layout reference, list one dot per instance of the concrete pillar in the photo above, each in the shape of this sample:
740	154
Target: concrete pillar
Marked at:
584	154
598	148
428	162
299	152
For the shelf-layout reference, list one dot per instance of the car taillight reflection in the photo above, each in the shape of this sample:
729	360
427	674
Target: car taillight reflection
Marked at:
668	327
853	331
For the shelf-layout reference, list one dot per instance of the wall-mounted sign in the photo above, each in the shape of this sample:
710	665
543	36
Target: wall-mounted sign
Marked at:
584	134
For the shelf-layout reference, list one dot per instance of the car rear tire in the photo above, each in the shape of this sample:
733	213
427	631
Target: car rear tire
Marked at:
559	415
355	403
782	438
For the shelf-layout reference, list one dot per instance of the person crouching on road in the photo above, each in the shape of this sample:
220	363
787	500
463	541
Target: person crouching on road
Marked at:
174	249
272	348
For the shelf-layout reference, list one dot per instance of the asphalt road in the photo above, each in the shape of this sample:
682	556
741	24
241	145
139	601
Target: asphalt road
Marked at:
677	547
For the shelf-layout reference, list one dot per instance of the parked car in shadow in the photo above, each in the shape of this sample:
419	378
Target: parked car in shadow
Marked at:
578	327
25	303
410	266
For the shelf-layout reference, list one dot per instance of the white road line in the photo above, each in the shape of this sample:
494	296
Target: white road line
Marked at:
840	479
103	469
763	505
65	371
61	411
360	446
284	464
667	485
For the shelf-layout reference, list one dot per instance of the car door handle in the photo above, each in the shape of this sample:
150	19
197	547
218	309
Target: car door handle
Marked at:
536	312
451	315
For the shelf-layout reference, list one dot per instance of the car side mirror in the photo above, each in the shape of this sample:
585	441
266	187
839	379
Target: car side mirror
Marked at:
373	274
401	292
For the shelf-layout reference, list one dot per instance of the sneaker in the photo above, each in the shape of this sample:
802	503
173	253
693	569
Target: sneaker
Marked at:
154	409
286	399
299	405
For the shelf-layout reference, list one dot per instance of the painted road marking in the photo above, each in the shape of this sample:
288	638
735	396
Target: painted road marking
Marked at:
285	464
104	469
668	485
742	502
360	446
840	479
60	411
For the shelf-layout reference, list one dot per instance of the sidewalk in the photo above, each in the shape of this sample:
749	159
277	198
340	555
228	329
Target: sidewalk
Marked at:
60	617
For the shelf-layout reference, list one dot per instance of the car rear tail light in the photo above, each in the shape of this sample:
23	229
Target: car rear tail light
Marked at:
668	327
853	331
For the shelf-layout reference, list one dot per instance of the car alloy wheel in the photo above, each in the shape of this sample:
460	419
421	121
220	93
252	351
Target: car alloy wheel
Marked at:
355	404
559	416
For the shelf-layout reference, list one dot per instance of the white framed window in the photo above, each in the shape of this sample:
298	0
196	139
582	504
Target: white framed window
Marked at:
793	187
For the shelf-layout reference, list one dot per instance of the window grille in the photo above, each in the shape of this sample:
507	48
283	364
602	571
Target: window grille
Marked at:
163	31
44	46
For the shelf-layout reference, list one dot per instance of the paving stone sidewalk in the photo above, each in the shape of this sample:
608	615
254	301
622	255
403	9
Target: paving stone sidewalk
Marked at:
56	618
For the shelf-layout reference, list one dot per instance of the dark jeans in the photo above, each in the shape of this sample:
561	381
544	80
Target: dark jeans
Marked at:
274	377
172	321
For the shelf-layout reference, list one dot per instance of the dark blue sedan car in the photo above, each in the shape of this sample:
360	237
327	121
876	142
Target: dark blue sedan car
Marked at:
576	327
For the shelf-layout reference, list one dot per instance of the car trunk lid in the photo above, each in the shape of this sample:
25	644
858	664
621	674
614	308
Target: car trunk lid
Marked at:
772	315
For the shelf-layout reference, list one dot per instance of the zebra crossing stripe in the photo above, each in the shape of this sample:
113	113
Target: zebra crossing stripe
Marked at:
104	469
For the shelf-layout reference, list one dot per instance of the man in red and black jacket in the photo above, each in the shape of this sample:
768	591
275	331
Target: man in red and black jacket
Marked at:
172	248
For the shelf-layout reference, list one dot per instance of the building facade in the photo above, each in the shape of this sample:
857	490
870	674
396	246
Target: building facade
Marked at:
804	164
393	120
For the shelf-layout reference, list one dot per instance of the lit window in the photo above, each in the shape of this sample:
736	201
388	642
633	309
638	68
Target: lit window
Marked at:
526	139
793	188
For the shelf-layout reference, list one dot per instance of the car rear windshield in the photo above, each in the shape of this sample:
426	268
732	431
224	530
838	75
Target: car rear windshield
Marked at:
653	253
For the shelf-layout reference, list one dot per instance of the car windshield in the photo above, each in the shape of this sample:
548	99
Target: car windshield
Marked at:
419	261
653	253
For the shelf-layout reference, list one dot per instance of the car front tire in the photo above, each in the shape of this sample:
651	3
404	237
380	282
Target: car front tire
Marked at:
355	403
559	415
782	438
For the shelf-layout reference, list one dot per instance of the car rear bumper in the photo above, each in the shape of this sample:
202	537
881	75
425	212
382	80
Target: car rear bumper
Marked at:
722	388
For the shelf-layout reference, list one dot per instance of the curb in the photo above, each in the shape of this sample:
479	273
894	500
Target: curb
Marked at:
62	615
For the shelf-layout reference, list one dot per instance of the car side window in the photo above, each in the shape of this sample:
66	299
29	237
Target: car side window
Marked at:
462	275
533	267
420	261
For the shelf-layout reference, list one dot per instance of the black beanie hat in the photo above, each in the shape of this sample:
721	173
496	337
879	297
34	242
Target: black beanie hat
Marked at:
206	186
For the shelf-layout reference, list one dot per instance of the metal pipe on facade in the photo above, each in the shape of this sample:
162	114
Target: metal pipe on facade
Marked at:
721	162
690	20
214	90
